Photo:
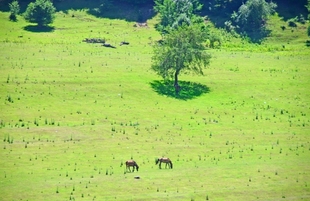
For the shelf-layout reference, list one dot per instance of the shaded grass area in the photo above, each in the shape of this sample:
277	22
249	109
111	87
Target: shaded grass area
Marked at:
36	28
189	90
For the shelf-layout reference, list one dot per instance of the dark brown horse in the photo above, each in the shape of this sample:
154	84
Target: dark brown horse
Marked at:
167	161
133	164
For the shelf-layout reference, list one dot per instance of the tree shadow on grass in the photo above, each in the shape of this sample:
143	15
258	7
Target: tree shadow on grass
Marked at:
189	90
36	28
257	36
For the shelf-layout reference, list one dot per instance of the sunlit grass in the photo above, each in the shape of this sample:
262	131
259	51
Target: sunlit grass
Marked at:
72	113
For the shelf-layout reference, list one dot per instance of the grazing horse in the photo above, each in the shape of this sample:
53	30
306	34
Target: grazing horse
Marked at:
167	161
133	164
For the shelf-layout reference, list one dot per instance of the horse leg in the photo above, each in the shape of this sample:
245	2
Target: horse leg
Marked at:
160	165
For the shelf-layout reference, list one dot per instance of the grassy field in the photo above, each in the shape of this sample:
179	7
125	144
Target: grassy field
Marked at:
72	113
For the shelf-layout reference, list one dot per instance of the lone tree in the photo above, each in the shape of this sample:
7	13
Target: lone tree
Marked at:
182	50
14	10
41	12
184	33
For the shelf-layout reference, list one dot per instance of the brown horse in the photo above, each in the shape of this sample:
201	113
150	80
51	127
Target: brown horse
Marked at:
167	161
133	164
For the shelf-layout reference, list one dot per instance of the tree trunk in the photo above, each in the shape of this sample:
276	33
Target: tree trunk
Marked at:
176	83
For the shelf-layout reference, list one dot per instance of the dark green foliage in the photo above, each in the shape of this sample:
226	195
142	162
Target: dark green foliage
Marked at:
291	23
14	10
308	31
174	13
223	8
41	12
253	14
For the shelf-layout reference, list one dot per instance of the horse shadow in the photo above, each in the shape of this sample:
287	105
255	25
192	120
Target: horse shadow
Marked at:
189	90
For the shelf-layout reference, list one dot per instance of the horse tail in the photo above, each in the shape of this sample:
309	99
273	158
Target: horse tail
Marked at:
171	164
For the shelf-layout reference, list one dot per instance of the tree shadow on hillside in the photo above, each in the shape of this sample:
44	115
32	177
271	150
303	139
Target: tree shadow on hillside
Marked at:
125	11
189	90
290	9
119	10
39	29
256	36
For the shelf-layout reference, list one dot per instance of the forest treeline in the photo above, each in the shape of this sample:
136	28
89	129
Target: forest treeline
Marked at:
210	7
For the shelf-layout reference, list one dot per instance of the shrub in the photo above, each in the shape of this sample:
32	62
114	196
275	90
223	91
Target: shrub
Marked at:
14	10
291	23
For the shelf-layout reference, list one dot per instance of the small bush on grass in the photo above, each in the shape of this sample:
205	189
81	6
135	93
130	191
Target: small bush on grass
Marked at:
14	10
291	23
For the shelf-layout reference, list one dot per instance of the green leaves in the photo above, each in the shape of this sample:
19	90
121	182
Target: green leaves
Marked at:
182	50
253	14
174	13
183	34
14	7
41	12
14	10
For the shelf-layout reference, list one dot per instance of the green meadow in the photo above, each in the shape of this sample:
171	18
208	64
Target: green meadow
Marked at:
73	112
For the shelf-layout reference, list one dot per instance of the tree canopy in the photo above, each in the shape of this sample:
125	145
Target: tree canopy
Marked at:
182	50
41	12
14	10
253	14
174	13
